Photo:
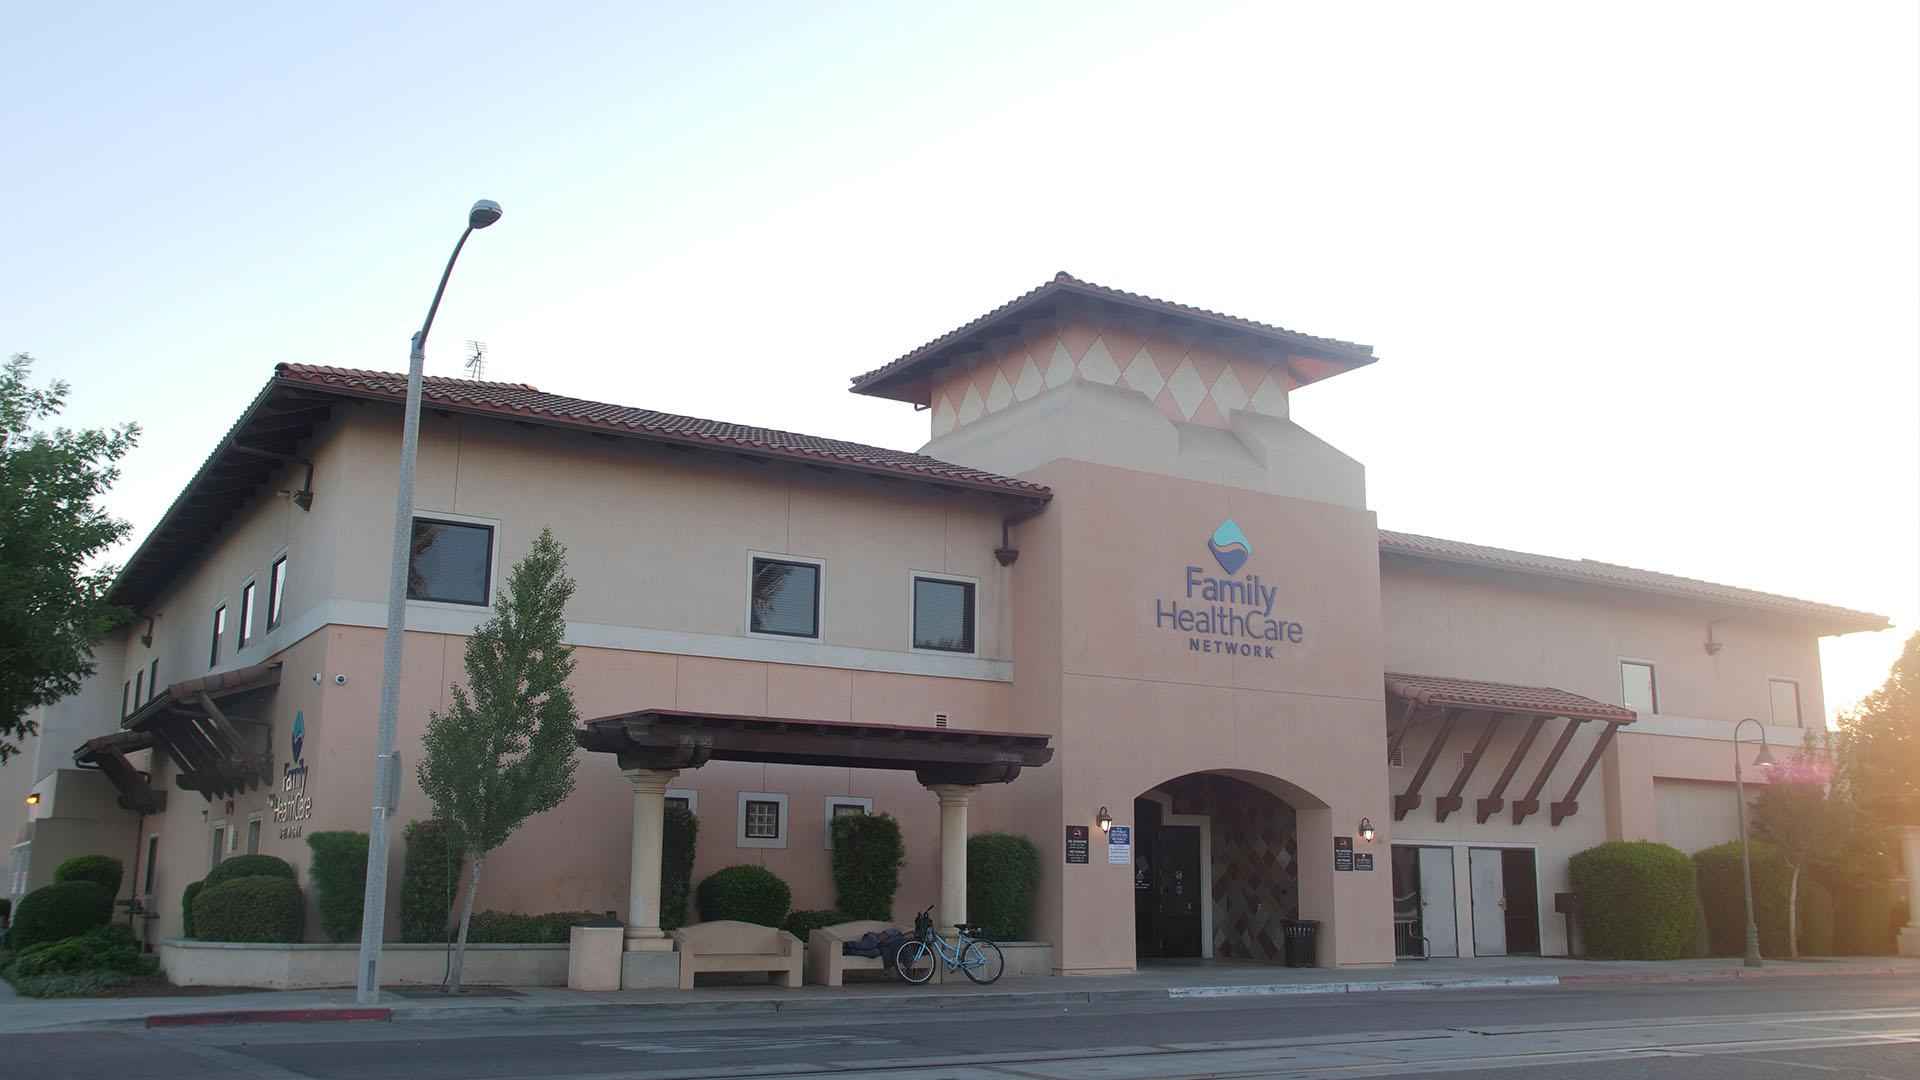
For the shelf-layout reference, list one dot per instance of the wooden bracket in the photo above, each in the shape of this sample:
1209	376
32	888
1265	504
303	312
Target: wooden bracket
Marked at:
1404	804
1570	805
1496	799
1451	801
1531	804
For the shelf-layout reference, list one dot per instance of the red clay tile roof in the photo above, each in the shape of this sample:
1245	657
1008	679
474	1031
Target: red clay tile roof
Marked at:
1439	691
520	401
1063	282
1623	577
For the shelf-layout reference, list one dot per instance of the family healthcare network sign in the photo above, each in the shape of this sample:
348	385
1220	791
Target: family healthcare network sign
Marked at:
1230	615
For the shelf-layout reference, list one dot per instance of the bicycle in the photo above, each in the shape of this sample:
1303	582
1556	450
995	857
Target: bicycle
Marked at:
980	959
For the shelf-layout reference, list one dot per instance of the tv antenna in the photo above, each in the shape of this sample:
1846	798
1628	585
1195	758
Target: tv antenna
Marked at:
476	360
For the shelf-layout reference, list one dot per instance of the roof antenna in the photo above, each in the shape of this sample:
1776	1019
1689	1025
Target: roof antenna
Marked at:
476	360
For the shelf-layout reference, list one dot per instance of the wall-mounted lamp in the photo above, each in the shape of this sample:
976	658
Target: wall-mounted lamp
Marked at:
33	799
1105	819
1366	830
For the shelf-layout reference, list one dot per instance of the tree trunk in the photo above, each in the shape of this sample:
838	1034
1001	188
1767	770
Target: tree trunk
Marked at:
466	916
1793	916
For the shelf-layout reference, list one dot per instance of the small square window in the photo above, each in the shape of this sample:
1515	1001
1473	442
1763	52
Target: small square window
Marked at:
679	802
839	806
685	798
1638	690
246	614
219	631
762	820
1786	702
451	563
943	614
253	836
784	598
219	844
276	591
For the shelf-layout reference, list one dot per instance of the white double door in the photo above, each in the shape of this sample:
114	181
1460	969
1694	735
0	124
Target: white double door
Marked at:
1489	881
1437	918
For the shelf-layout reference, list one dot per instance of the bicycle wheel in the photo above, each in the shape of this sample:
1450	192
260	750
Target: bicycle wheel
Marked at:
915	962
982	961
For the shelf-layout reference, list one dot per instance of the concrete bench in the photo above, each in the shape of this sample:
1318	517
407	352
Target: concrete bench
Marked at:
737	946
827	959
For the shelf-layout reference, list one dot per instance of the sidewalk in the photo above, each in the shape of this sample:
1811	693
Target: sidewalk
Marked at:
1156	982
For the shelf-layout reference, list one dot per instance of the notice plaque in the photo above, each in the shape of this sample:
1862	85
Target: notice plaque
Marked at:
1363	860
1119	845
1343	853
1077	846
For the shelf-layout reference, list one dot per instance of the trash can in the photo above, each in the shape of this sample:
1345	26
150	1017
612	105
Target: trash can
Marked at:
1302	947
593	954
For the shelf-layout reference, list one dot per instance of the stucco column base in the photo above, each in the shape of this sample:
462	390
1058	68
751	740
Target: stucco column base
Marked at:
954	799
643	876
1910	849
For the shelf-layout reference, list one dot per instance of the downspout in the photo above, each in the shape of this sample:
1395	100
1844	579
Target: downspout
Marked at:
1006	553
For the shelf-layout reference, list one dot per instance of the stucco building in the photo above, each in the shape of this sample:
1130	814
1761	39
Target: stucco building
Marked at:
1116	539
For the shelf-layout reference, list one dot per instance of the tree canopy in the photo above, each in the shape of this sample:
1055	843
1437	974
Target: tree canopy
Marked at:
1880	744
52	606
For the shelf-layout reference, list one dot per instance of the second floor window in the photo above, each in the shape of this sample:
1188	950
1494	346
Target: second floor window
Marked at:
942	614
763	819
153	677
1786	702
785	598
246	614
139	681
1637	689
219	631
276	591
452	562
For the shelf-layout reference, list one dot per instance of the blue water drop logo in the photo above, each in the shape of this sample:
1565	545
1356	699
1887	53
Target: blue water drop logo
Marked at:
299	733
1230	547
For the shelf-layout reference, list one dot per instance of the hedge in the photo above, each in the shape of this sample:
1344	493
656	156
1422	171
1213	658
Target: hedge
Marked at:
105	948
1863	920
6	908
515	928
867	856
1816	918
339	877
103	870
1723	898
430	880
747	893
682	834
803	923
186	907
1003	877
263	909
84	984
1637	900
240	866
59	911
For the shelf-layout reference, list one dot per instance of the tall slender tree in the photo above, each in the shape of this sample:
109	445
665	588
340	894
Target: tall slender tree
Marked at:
52	606
504	749
1798	812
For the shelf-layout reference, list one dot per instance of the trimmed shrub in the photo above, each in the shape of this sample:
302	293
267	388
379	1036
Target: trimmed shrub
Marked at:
1816	918
103	870
1862	920
84	984
339	876
59	911
682	833
867	856
108	948
6	908
515	928
266	909
1637	900
240	866
1003	877
186	907
1723	898
747	893
430	880
802	923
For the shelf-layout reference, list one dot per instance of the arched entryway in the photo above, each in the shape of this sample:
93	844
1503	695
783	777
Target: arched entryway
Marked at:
1217	866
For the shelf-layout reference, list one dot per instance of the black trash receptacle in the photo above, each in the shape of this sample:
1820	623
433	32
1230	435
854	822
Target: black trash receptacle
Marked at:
1302	942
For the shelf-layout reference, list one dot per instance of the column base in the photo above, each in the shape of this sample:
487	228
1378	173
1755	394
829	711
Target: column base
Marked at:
641	940
1910	941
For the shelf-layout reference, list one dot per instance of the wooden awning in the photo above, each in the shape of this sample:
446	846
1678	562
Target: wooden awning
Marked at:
669	739
214	753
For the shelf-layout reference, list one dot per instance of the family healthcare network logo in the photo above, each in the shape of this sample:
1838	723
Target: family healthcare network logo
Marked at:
1238	619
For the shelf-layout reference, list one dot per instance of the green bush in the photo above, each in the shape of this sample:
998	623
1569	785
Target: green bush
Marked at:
1863	917
802	923
867	856
752	894
240	866
1637	900
59	911
6	908
103	870
84	984
515	928
430	880
186	907
267	909
1816	918
108	948
682	833
1723	898
1003	877
339	876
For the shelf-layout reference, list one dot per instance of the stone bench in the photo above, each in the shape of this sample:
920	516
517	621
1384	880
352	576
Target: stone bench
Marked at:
737	946
827	959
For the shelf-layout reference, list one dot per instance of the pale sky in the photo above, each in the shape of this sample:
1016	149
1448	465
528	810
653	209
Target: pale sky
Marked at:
1644	278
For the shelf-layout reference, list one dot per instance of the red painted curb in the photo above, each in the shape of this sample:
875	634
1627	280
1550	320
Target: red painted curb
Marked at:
267	1016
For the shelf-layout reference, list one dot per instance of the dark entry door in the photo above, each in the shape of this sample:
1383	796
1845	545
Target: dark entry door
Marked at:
1178	891
1520	890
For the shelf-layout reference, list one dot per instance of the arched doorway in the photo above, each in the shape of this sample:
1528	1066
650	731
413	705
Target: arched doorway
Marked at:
1216	867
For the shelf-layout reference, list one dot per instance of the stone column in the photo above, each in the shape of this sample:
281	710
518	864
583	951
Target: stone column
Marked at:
953	853
643	880
1910	934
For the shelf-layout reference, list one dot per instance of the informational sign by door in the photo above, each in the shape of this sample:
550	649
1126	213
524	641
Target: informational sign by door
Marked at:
1119	845
1077	844
1363	860
1343	853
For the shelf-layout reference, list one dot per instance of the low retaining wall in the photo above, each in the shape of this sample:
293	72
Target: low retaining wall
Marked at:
311	967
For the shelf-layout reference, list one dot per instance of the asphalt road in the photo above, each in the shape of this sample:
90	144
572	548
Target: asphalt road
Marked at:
1830	1029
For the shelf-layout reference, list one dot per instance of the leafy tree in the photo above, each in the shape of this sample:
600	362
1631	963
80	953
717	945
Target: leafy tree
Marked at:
52	609
1880	744
503	751
1797	812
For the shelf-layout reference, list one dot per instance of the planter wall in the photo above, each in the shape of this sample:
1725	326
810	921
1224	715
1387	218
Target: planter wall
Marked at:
308	967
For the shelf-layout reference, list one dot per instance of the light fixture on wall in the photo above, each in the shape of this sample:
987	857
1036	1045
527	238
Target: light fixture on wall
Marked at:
1105	819
33	799
1366	830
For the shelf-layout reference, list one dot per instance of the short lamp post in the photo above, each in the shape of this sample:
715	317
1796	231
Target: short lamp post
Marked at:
1762	760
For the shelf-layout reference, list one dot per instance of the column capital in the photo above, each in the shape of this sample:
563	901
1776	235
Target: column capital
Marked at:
954	794
649	781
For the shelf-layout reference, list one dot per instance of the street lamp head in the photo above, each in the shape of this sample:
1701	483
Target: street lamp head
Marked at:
1764	759
484	213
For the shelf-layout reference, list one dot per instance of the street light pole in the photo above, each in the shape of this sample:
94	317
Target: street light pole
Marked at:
1763	760
386	763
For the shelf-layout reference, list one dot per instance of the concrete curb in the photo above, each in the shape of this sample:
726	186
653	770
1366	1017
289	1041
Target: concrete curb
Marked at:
266	1016
1727	975
1378	986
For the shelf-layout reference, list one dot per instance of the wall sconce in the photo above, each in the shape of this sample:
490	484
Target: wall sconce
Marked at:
33	799
1105	819
1366	830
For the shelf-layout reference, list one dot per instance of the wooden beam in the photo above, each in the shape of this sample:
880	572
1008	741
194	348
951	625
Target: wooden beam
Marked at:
1570	805
1451	801
1496	799
1531	804
1402	804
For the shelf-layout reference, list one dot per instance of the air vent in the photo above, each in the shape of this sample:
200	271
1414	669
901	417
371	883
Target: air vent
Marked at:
939	719
1396	758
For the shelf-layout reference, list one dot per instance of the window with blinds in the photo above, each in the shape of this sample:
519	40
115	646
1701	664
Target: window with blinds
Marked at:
785	598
